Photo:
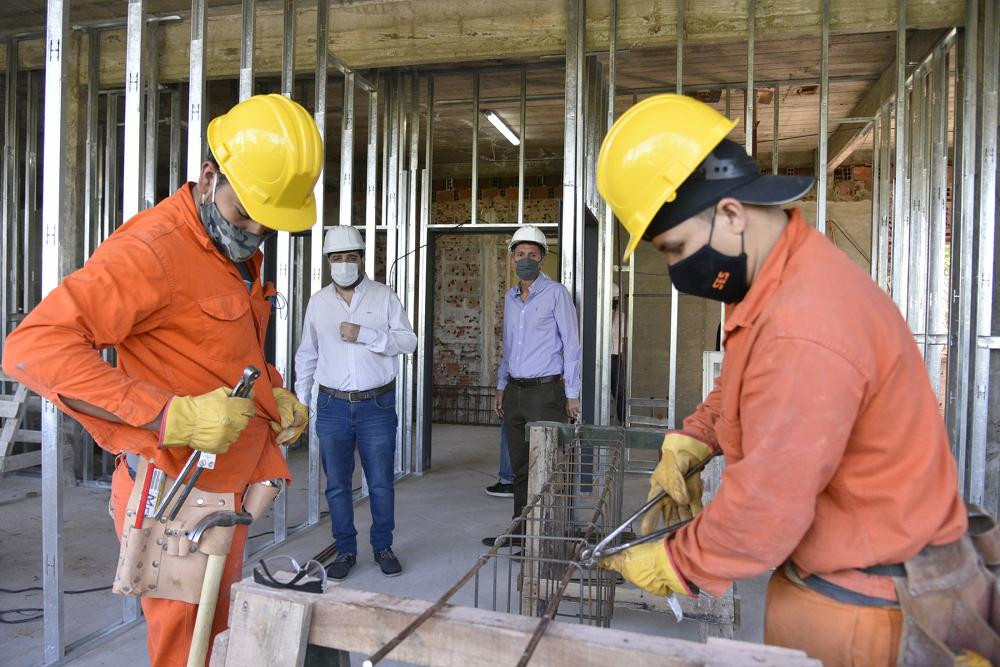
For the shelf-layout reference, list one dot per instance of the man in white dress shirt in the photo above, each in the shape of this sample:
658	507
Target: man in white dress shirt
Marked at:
354	329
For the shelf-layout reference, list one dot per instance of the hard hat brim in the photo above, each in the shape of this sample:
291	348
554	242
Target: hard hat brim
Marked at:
284	219
633	243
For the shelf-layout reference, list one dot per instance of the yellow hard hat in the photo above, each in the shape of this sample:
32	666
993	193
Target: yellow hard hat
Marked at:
650	151
270	150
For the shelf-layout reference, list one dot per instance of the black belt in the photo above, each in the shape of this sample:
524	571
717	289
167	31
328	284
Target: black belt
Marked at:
534	382
358	396
831	590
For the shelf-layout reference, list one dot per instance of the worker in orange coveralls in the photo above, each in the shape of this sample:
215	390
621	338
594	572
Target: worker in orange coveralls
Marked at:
838	471
177	292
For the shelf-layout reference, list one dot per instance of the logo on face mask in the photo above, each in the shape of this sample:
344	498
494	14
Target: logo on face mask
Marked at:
711	274
721	280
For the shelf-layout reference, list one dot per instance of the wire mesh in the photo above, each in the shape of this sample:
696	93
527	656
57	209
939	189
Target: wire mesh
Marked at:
537	566
468	404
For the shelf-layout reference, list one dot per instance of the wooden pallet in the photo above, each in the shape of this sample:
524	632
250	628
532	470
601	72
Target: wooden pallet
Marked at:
13	407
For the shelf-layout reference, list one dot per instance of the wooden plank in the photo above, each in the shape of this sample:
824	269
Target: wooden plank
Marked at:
220	648
20	461
362	622
266	630
414	32
28	436
9	408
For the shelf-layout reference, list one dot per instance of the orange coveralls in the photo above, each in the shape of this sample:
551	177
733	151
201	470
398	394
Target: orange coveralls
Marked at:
836	454
183	323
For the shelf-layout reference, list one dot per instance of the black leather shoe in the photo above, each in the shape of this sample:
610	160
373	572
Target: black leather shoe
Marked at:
388	562
500	490
340	566
510	541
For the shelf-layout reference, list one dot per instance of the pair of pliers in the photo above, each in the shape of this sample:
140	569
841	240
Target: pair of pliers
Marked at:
590	555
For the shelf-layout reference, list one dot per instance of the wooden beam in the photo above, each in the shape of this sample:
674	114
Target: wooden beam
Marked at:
844	141
268	631
416	32
362	622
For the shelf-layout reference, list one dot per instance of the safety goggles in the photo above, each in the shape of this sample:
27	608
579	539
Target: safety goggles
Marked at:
285	572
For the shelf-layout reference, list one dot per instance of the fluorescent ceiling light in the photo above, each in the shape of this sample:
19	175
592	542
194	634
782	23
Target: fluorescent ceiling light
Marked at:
503	127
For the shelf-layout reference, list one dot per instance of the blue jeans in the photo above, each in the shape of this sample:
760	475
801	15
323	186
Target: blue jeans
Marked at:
371	425
506	474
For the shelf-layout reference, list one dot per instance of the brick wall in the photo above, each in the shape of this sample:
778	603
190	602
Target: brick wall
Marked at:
470	282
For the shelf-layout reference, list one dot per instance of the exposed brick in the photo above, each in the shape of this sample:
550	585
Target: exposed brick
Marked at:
862	173
444	195
489	193
465	194
553	179
539	192
557	192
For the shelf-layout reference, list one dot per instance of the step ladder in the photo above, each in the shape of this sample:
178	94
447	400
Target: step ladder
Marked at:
19	447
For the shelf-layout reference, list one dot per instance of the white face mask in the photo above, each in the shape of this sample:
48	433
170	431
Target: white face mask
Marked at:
344	274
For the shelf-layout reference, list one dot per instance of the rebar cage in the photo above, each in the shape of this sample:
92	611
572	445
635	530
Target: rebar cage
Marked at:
537	568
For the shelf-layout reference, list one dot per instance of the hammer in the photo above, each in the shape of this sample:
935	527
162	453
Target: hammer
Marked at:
210	584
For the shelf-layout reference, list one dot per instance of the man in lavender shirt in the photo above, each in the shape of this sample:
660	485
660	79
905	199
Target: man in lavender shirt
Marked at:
539	375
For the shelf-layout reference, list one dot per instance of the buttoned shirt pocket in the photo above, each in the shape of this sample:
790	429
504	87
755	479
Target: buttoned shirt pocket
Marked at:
228	326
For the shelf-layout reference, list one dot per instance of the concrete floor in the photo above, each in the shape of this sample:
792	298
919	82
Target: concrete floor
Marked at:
440	519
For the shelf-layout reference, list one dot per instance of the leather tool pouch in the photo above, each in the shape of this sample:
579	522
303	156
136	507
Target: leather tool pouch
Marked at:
156	560
950	598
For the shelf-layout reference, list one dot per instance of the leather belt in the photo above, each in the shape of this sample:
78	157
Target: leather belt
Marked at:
358	396
534	382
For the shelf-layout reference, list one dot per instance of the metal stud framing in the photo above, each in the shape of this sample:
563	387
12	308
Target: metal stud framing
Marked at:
132	181
985	345
824	115
283	243
196	90
53	201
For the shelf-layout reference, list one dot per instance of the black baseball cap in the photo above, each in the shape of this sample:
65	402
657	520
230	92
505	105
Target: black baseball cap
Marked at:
727	172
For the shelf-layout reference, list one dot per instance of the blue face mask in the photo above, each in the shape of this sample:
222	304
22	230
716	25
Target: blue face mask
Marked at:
237	244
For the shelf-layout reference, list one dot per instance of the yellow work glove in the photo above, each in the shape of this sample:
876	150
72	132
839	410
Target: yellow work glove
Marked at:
678	454
649	567
294	416
210	422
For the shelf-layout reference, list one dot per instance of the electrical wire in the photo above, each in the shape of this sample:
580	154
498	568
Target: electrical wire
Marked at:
38	612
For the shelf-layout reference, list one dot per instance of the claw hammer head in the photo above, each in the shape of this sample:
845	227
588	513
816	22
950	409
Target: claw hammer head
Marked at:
243	387
221	519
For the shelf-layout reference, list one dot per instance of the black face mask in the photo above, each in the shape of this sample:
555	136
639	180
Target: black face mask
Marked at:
712	274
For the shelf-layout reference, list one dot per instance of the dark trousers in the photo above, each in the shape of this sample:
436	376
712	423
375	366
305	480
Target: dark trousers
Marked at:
544	402
618	386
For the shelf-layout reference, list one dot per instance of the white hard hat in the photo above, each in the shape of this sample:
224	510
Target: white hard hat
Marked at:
342	238
528	233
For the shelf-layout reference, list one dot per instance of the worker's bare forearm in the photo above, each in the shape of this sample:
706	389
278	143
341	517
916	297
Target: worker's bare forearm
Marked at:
101	413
